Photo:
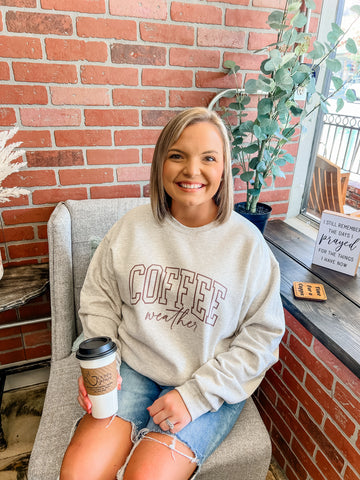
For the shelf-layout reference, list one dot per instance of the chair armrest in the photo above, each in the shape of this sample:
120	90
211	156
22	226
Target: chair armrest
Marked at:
63	329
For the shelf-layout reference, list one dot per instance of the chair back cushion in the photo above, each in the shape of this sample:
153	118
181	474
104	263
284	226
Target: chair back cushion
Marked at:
90	221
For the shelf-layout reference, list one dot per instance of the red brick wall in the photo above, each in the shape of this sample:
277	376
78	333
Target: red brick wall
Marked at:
29	342
310	403
90	83
353	194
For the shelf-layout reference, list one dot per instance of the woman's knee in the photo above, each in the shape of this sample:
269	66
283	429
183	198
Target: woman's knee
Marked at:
158	457
97	450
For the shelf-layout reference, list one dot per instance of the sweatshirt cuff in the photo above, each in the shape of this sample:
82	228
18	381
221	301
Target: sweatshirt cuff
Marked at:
195	402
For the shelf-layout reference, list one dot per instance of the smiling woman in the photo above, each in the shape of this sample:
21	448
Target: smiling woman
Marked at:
202	130
192	174
196	325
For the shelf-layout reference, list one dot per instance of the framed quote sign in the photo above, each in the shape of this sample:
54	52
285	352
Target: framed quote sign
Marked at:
338	243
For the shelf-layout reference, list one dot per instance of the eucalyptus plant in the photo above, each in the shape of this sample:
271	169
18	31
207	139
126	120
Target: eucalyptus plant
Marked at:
291	66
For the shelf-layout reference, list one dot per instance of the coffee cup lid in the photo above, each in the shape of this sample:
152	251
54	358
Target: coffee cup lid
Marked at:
95	347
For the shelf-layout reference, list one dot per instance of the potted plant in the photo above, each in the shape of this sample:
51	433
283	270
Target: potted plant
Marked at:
8	155
289	72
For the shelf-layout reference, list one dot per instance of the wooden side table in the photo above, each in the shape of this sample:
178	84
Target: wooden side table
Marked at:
17	287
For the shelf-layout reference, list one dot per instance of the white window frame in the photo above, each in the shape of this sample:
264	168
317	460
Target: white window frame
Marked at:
328	15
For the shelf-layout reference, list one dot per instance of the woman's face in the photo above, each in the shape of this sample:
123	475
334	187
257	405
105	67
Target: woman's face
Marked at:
192	173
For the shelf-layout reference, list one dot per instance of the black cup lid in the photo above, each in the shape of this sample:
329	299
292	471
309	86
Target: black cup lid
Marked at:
95	347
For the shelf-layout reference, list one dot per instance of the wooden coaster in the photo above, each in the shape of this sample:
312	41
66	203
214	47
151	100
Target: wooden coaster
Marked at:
309	291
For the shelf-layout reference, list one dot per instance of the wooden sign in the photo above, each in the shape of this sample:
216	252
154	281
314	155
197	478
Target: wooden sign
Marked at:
309	291
338	243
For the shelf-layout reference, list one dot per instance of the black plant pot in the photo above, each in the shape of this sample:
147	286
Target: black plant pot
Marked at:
259	218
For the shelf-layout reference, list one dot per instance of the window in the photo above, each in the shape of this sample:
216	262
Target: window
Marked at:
330	142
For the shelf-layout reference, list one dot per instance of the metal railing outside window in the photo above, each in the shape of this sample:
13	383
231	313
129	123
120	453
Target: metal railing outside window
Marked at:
340	141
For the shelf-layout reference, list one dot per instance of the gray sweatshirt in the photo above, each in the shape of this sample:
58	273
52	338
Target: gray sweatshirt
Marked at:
195	308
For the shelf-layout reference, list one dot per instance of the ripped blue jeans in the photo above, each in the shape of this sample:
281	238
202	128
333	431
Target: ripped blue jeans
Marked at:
202	435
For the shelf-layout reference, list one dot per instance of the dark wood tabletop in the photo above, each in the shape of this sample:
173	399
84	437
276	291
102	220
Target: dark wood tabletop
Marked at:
301	248
335	322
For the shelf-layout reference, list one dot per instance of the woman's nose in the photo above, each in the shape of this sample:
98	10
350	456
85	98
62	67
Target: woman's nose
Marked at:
192	167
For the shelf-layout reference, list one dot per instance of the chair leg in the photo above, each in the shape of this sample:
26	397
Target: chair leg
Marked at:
3	443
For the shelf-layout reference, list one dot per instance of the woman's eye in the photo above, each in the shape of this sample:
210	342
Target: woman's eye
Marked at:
209	158
175	156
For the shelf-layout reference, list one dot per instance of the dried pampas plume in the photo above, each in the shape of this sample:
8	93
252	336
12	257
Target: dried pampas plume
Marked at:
7	165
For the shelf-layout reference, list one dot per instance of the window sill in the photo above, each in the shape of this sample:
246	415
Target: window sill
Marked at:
303	225
334	322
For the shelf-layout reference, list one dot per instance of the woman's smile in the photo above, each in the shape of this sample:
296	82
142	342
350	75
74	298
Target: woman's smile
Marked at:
190	186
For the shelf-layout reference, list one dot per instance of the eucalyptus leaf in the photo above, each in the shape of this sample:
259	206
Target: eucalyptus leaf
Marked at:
267	66
246	127
284	80
337	81
339	104
310	4
335	34
245	99
333	64
288	59
234	106
253	163
269	127
280	161
267	156
235	171
296	111
261	179
261	167
259	133
323	106
251	86
351	46
229	64
276	16
252	148
299	21
299	77
288	158
275	54
264	84
318	51
264	80
265	106
311	86
294	6
237	141
290	36
288	132
276	172
247	176
350	95
277	26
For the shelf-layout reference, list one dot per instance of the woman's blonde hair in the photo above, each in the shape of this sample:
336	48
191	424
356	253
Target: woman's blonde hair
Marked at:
160	200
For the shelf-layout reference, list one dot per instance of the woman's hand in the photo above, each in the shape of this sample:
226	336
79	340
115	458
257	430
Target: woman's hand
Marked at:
172	408
83	398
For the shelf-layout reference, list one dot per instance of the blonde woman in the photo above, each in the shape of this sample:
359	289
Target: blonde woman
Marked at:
189	291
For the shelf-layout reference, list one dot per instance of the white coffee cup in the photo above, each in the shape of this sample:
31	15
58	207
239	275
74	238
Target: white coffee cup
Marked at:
97	358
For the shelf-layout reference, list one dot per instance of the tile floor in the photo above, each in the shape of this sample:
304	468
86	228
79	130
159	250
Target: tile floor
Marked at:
20	412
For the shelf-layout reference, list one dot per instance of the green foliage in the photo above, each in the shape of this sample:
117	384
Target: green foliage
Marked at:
257	145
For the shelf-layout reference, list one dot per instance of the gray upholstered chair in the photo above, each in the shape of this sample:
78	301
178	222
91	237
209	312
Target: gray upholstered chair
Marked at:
73	229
